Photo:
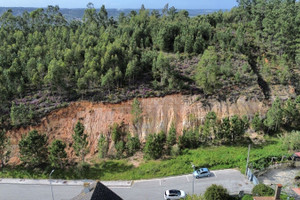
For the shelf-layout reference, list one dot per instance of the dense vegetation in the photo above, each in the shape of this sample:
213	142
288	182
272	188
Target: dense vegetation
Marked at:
46	60
121	169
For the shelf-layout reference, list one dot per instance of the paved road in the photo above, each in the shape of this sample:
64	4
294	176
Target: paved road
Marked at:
231	179
37	192
152	189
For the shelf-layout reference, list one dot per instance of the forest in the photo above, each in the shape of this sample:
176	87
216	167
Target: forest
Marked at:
47	61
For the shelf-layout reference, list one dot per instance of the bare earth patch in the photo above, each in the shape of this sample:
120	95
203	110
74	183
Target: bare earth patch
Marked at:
137	159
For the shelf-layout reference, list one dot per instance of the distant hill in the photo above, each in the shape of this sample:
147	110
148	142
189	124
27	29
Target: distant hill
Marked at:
77	13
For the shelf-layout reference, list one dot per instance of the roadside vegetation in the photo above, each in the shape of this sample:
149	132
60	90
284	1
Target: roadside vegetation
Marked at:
217	192
214	157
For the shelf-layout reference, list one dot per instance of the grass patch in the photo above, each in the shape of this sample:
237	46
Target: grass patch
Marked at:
215	157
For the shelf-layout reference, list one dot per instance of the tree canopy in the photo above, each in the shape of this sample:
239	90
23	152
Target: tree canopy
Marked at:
145	52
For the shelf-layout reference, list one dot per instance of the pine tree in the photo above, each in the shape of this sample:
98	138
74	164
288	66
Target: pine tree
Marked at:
80	141
57	154
132	145
171	138
273	119
103	145
257	123
136	112
208	70
33	149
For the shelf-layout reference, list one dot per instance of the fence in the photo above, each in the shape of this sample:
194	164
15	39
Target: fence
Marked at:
252	177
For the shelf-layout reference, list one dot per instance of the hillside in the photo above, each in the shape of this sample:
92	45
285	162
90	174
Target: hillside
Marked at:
55	71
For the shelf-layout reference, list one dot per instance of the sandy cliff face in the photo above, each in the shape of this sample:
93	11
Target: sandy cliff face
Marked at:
158	114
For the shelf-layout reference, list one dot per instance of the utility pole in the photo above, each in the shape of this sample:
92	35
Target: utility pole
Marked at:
51	183
193	186
248	158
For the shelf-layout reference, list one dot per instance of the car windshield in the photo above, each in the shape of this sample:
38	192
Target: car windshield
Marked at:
174	193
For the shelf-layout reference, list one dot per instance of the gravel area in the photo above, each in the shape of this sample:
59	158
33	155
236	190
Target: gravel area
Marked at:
281	176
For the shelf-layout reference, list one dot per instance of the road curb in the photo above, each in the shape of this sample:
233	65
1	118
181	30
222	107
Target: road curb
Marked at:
58	182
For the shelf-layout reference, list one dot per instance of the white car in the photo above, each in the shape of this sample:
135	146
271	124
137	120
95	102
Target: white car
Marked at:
174	194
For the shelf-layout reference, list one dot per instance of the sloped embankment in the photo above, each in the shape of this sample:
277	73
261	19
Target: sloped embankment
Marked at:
157	114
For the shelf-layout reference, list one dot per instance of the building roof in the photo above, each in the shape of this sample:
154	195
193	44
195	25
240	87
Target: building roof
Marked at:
102	192
297	154
263	198
297	190
98	192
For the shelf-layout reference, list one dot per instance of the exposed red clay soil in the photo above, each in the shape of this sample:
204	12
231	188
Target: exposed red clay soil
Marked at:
158	115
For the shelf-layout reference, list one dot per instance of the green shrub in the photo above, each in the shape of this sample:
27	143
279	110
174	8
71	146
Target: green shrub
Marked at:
120	147
171	139
262	190
291	141
57	154
286	197
133	145
247	197
175	150
33	149
154	146
257	123
216	192
83	169
116	133
190	139
194	197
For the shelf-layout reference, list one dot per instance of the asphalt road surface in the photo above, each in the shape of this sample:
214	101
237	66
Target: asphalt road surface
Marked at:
37	192
231	179
152	189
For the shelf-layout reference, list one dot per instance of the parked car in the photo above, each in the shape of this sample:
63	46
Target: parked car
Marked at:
202	172
174	194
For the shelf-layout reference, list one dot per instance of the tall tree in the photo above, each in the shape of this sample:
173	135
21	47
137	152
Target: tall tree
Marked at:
103	16
80	141
57	154
208	70
274	116
33	149
154	146
136	112
103	145
209	128
132	145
